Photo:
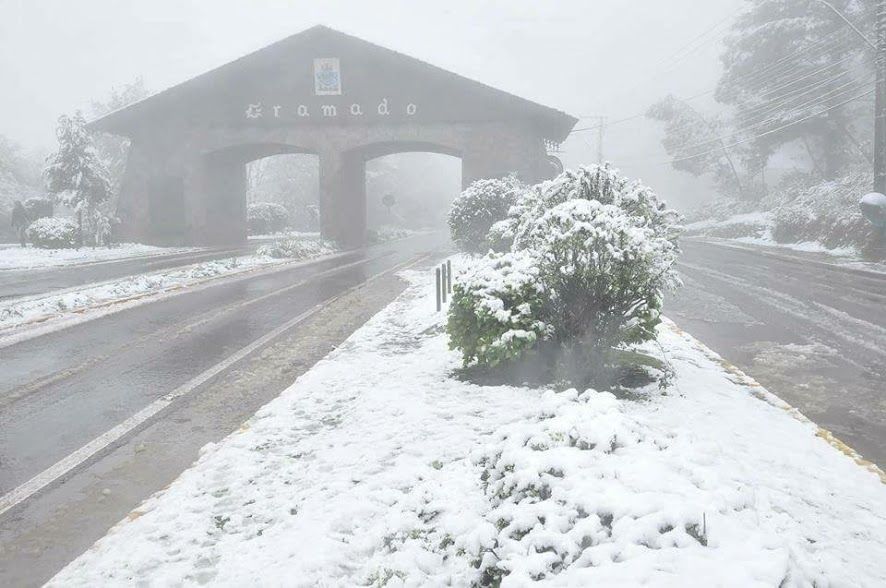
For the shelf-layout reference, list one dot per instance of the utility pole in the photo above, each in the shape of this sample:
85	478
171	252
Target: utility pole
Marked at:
880	102
879	47
601	129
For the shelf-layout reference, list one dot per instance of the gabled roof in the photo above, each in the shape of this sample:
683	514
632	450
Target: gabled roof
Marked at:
554	124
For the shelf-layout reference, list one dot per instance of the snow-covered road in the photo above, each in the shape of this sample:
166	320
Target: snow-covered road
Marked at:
813	333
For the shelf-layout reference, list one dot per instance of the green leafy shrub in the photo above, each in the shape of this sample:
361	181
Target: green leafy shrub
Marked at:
495	307
266	217
477	208
53	233
594	253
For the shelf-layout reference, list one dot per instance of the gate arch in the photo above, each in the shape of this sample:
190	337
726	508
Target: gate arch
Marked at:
320	92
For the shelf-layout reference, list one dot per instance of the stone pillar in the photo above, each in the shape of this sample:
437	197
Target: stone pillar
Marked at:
133	200
215	201
343	198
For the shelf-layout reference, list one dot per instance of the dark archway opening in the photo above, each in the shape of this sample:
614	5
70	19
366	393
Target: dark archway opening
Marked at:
411	190
291	181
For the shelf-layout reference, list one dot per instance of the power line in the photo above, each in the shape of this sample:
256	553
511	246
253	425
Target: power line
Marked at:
787	105
769	132
712	90
812	103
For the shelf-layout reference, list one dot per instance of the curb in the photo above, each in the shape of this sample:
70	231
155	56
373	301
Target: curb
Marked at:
760	392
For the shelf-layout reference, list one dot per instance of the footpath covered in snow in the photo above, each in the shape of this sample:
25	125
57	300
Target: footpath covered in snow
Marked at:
380	467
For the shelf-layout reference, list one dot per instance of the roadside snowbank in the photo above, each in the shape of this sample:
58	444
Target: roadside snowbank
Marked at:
26	312
17	257
379	467
756	228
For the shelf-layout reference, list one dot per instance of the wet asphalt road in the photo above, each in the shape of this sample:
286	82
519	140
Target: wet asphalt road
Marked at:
812	333
29	282
61	390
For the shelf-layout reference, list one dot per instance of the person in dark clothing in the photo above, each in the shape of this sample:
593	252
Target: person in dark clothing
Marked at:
20	221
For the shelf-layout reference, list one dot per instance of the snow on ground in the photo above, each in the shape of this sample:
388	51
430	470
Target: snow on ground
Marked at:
755	228
40	309
16	257
758	217
379	467
805	246
294	234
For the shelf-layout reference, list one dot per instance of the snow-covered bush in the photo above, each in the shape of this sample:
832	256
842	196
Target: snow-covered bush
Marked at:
266	217
477	208
296	247
827	213
600	250
605	274
386	233
600	183
53	233
495	308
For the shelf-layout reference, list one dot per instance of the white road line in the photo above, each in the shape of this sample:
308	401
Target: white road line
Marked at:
75	459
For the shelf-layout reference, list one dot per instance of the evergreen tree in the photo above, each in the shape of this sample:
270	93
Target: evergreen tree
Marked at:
76	175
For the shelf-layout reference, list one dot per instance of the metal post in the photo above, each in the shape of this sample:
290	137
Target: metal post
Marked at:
880	102
449	276
439	305
443	288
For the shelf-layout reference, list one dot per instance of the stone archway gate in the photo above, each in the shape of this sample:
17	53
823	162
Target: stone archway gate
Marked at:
320	92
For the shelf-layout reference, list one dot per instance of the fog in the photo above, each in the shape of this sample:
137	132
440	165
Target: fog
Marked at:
329	315
607	58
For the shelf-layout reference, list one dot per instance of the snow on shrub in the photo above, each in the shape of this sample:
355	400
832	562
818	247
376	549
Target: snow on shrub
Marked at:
554	507
601	183
828	213
495	305
296	247
53	233
601	250
477	208
582	490
266	217
386	233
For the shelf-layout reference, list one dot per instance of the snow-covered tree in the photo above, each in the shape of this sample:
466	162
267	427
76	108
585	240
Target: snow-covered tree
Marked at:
76	175
794	63
478	207
693	141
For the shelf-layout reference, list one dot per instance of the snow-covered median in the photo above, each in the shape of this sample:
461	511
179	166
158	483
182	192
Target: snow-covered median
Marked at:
380	467
16	257
42	309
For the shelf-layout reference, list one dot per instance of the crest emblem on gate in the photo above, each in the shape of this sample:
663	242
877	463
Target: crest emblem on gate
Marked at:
327	76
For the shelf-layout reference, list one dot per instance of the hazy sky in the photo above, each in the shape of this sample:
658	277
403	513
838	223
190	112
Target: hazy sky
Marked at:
587	57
